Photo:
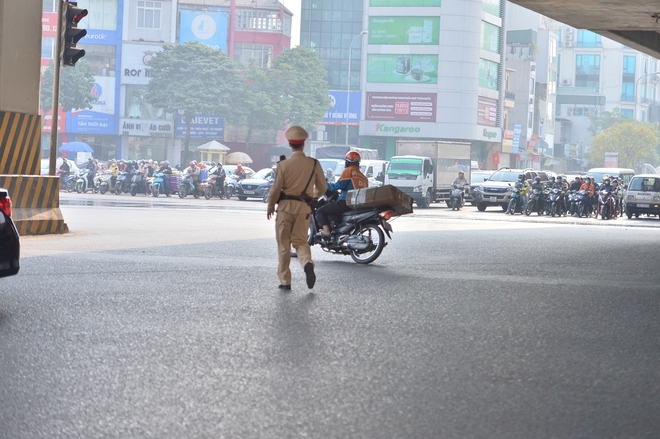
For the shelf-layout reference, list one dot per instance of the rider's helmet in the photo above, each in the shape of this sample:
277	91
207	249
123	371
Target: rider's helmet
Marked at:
141	162
521	176
537	179
193	163
166	163
616	180
352	158
606	180
552	177
461	173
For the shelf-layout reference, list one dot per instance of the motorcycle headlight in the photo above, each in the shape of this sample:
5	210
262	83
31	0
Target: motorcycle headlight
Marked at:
417	189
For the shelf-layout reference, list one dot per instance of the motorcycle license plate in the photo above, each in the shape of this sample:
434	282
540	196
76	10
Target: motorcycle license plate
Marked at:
644	205
493	199
248	192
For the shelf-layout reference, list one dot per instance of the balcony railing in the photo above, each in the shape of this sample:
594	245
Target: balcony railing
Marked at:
509	95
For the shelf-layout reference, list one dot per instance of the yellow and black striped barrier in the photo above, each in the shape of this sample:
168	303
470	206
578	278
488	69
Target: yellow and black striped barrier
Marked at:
35	198
35	203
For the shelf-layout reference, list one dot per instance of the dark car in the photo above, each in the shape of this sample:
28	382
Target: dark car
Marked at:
10	246
257	186
477	177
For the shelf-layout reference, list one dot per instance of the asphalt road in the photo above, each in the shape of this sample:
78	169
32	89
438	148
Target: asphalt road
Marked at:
155	321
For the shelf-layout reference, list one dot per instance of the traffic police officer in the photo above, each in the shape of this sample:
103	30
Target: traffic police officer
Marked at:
297	179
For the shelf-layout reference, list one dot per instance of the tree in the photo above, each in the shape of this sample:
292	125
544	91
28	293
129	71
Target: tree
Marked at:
636	143
76	85
262	106
193	78
300	77
606	119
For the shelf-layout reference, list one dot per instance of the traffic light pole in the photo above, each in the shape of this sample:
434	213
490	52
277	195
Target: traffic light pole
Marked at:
56	90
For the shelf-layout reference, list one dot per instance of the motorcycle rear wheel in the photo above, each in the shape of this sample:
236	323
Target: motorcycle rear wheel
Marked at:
183	191
553	210
377	238
103	189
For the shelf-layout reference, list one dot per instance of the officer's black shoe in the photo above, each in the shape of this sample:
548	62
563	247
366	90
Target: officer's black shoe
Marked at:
309	274
284	287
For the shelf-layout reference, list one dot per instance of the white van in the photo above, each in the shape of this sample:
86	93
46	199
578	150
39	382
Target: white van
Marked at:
643	195
624	174
370	168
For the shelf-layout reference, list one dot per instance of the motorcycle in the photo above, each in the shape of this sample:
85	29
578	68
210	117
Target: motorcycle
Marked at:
139	184
572	199
231	182
158	184
554	202
606	206
359	233
514	206
103	182
82	182
213	188
457	197
188	187
535	203
123	183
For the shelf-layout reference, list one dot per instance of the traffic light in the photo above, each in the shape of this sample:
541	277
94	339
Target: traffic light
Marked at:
71	14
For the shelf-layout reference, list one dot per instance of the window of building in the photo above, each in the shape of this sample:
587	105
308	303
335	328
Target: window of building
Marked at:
627	112
262	20
587	71
148	15
642	116
260	53
628	79
137	106
101	57
50	5
490	37
47	47
653	95
492	7
102	14
586	38
530	120
654	67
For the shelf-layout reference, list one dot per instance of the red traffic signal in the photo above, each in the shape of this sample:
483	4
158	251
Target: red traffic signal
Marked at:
72	15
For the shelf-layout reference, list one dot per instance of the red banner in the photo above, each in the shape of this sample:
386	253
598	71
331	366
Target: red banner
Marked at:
49	24
496	159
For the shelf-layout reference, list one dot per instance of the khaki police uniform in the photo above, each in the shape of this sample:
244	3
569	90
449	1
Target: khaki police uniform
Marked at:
293	216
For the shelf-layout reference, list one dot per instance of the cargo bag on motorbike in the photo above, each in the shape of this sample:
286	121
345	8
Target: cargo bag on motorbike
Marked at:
387	195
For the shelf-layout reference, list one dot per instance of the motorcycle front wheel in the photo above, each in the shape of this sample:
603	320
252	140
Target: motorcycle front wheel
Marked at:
529	208
155	190
457	204
208	192
133	191
117	188
80	186
229	192
374	234
103	189
183	191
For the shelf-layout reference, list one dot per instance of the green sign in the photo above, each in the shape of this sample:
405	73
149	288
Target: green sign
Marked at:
407	69
396	3
492	7
490	37
488	72
404	30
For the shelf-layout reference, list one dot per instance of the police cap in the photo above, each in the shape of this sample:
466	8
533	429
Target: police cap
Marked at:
296	135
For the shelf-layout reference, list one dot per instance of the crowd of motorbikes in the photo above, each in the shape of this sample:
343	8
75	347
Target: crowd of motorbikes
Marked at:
136	181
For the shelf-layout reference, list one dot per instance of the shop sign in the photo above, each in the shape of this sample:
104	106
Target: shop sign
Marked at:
489	134
135	61
336	114
517	131
146	128
486	111
202	126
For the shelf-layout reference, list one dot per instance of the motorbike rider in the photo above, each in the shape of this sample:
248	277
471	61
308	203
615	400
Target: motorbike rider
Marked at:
167	172
220	174
193	171
538	185
461	179
91	165
590	192
351	178
240	172
114	170
562	185
329	176
523	186
64	175
617	193
575	185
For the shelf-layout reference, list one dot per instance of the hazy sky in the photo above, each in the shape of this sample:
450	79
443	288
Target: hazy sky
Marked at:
294	7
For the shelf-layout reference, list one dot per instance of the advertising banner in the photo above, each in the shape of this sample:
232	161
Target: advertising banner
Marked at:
487	111
135	60
488	72
517	131
146	128
101	118
203	126
507	141
396	3
49	24
404	30
532	143
208	28
336	114
414	107
408	69
47	120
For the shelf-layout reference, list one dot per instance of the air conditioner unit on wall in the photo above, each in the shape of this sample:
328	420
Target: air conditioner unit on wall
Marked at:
566	82
569	30
569	37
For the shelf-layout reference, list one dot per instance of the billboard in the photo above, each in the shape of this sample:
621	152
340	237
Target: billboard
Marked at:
404	30
203	126
407	69
336	114
515	146
486	111
412	107
488	74
396	3
208	28
101	118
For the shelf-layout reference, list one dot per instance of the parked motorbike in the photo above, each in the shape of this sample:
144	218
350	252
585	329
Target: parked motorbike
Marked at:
82	182
535	203
554	203
123	183
515	205
103	182
359	233
457	196
188	187
139	184
606	205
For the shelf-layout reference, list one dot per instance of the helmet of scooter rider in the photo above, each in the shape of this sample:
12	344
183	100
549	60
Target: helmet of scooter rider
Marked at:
192	163
166	163
520	176
606	180
461	173
552	178
353	158
537	179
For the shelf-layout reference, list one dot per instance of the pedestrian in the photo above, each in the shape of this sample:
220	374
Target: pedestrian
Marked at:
64	175
298	180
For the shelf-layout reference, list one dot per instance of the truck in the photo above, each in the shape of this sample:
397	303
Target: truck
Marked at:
426	169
